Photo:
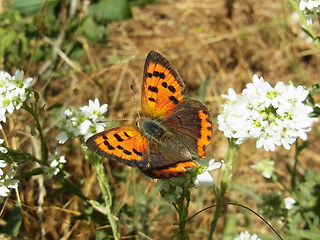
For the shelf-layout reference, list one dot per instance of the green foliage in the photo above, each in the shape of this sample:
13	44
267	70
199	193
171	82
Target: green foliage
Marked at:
107	11
316	109
14	222
25	26
272	206
202	92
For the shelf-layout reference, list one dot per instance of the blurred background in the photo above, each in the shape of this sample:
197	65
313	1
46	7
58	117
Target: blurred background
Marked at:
81	50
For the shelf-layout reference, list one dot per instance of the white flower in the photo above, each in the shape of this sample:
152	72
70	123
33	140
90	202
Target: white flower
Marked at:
56	161
7	181
10	181
274	116
205	178
289	202
94	111
266	166
3	190
246	236
3	164
62	137
84	127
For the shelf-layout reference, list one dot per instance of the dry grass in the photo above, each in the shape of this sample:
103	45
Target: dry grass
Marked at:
200	38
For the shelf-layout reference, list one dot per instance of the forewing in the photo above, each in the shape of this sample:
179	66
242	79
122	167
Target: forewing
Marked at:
162	87
124	144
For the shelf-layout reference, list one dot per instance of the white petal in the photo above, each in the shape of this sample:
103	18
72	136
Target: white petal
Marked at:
204	179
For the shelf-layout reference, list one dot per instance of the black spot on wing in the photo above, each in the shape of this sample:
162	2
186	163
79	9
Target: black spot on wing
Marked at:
117	136
126	134
137	152
164	84
153	89
156	73
108	145
174	99
162	75
127	152
171	89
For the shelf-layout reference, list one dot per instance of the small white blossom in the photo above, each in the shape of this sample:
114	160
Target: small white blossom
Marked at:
3	164
56	161
2	149
289	202
7	181
274	116
247	236
4	191
205	178
94	110
266	166
62	137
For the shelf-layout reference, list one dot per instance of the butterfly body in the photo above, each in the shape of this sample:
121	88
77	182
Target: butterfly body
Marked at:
174	133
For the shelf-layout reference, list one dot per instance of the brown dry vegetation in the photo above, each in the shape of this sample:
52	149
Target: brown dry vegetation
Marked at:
200	38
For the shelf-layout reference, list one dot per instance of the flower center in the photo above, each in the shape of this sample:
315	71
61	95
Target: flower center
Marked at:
272	94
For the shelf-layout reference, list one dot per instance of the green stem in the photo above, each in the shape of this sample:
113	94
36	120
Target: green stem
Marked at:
183	213
220	192
35	112
104	186
293	176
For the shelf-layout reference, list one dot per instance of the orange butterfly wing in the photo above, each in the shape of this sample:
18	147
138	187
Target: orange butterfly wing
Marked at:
191	123
124	144
174	170
162	87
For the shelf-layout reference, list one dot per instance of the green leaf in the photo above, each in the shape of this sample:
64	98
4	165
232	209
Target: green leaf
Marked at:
93	31
6	41
18	157
203	89
106	11
30	6
14	222
230	227
308	33
308	234
86	214
26	174
141	3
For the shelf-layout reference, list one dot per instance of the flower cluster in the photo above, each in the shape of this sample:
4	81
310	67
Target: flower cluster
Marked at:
171	189
273	115
85	122
246	236
309	9
14	90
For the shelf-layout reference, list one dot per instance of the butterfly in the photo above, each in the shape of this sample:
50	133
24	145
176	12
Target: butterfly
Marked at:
171	137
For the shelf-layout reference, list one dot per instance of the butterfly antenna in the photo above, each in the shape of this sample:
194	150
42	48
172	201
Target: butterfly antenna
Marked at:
134	99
